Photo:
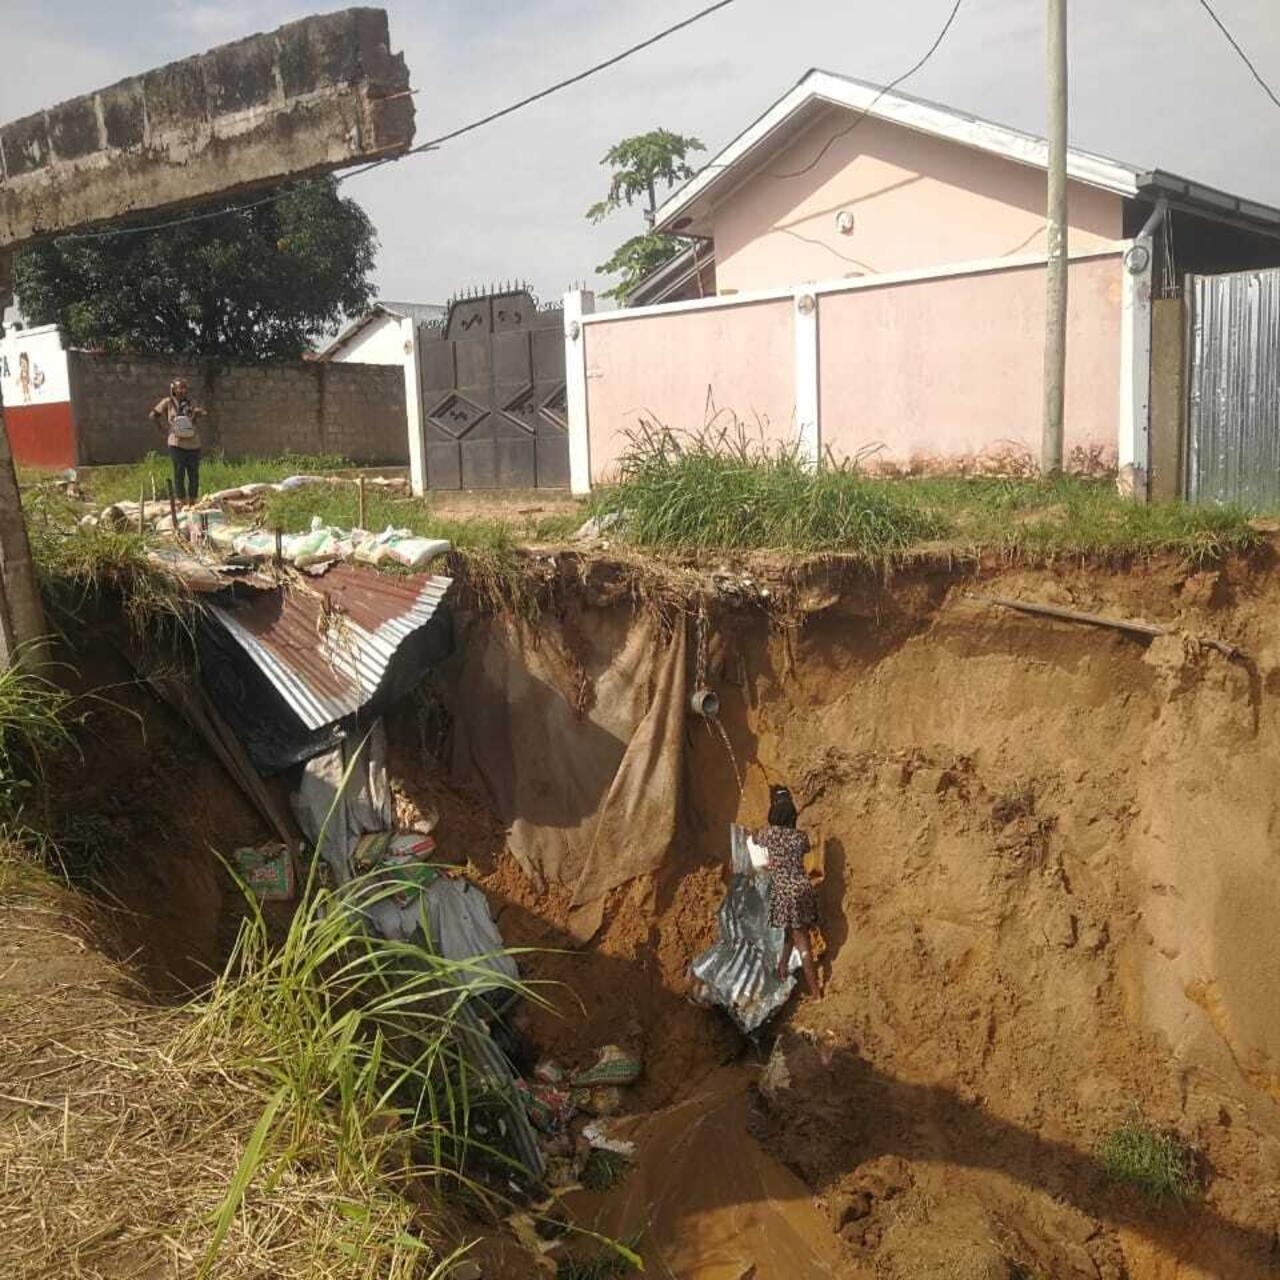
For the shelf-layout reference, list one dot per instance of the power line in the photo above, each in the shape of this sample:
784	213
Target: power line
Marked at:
1244	57
582	75
867	110
889	88
430	145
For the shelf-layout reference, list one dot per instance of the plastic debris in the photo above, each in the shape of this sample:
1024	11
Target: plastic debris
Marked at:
603	1100
549	1073
268	871
597	1135
550	1110
613	1067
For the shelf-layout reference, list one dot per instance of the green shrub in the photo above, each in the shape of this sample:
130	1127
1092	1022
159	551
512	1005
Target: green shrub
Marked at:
1157	1162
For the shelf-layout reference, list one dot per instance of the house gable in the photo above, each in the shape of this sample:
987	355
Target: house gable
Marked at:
882	197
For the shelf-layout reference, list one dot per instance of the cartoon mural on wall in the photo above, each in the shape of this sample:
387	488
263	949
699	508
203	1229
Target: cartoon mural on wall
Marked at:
37	397
30	377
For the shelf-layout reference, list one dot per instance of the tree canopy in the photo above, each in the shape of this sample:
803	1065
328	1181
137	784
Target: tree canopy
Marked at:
256	284
639	166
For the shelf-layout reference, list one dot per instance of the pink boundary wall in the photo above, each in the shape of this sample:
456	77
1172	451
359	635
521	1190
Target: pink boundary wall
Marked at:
677	369
941	371
931	373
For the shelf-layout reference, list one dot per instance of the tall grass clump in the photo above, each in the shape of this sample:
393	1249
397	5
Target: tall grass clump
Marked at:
76	565
719	490
37	719
361	1046
139	1144
125	483
1158	1163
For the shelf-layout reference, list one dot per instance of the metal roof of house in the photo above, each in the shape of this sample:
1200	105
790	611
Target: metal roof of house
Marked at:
687	210
672	275
421	312
326	648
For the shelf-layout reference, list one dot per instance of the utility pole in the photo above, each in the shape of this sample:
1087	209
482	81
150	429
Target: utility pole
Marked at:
21	617
1055	332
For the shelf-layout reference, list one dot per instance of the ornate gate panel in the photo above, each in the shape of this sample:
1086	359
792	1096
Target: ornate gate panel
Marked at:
493	394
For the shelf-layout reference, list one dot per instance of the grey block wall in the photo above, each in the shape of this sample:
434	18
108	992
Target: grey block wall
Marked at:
353	410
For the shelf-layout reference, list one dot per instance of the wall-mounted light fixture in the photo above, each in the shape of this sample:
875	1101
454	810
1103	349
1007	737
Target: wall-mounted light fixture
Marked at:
845	222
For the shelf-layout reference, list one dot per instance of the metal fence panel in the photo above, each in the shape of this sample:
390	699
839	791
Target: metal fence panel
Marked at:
1233	412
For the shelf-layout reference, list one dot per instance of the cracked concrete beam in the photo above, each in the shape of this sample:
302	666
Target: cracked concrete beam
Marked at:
311	97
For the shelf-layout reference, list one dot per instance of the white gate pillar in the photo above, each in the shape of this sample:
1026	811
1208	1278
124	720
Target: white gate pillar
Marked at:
808	412
577	304
415	416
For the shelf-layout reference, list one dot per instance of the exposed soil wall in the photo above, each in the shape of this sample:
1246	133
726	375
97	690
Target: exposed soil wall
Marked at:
1049	901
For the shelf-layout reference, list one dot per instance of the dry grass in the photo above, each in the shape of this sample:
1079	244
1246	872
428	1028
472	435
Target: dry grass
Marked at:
119	1137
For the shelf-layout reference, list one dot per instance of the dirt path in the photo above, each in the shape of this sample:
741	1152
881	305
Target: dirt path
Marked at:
711	1203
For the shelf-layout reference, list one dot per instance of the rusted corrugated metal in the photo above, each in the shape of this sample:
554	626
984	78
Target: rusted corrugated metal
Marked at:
1233	414
326	645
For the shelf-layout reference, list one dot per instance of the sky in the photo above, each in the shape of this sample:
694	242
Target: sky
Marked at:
1152	83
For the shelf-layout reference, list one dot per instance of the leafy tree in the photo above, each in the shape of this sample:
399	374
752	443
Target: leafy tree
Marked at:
639	165
254	285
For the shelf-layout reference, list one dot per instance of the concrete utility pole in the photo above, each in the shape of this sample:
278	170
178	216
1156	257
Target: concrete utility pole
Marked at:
21	617
1055	332
305	99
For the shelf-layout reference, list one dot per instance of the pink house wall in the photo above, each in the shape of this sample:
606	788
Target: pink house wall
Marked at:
667	368
917	201
952	368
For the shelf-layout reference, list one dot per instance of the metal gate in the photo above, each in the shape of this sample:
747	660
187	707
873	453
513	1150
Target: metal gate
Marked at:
493	395
1233	405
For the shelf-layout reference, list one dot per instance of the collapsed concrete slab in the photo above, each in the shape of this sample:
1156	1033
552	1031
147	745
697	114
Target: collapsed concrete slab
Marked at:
313	96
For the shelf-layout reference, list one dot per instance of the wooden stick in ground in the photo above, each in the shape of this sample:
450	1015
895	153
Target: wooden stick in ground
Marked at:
360	495
1147	630
173	508
142	508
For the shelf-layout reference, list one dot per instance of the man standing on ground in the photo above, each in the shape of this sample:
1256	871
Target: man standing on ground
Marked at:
176	415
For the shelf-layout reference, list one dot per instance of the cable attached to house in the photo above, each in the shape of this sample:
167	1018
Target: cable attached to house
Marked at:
866	111
430	145
1244	57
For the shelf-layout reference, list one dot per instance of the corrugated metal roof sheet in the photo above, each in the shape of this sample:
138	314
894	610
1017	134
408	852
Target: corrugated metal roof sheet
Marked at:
326	646
740	970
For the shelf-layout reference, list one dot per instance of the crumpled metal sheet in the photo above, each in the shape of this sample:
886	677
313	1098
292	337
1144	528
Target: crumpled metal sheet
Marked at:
739	971
327	648
298	669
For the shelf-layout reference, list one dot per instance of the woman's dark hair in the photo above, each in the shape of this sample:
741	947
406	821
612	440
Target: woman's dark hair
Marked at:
782	809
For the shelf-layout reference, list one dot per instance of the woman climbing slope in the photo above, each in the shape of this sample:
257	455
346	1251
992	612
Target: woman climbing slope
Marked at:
793	901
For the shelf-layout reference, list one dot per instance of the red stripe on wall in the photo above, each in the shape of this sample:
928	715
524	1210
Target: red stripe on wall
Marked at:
42	435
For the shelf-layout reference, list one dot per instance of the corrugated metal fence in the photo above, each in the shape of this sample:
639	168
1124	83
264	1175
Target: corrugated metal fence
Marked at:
1233	412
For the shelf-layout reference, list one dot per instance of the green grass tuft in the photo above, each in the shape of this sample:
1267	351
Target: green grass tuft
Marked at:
124	483
37	720
695	495
76	565
716	492
1158	1163
338	505
603	1170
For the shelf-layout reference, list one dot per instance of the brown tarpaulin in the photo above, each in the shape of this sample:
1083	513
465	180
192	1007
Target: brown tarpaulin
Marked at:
590	796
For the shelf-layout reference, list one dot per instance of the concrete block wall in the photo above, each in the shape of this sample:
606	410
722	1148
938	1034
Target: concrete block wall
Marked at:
356	411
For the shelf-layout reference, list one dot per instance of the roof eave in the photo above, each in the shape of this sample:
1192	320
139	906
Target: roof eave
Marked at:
923	117
1221	206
